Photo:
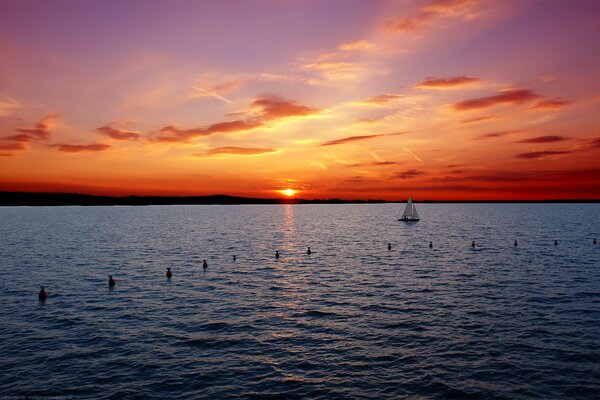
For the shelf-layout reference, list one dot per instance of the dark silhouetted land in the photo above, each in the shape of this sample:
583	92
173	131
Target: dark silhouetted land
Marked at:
76	199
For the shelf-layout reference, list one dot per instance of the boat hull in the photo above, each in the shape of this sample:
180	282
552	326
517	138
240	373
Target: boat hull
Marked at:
408	219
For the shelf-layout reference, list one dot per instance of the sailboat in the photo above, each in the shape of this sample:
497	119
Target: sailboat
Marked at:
410	212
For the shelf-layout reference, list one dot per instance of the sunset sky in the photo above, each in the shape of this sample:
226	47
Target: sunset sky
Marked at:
444	99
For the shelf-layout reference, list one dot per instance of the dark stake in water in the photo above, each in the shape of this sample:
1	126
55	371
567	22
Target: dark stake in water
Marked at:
354	320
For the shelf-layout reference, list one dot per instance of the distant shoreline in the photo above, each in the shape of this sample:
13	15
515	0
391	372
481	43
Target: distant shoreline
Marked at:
76	199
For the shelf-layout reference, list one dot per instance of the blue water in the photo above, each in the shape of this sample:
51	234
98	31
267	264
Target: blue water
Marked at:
351	321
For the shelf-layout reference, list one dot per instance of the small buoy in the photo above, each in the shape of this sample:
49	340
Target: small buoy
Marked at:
473	244
389	246
169	274
308	251
594	242
277	254
234	258
111	281
42	295
430	245
516	244
204	264
556	242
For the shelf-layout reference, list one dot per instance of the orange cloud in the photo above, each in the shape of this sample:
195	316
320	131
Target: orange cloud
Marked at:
173	134
544	139
356	45
273	107
495	134
267	108
447	83
373	164
479	119
12	146
118	134
242	151
542	154
408	174
76	148
550	104
359	138
511	96
382	99
432	11
41	129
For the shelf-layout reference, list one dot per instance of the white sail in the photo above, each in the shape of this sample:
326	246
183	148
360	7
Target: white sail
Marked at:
415	215
408	210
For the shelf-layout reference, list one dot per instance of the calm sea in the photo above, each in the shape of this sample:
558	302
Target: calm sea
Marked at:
350	321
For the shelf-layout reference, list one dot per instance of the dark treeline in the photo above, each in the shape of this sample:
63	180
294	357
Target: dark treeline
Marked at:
76	199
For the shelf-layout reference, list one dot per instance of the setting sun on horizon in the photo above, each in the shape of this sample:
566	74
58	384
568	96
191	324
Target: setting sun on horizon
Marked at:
452	100
288	192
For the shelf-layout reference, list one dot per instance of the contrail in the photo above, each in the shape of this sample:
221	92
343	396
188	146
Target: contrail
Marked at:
411	153
216	96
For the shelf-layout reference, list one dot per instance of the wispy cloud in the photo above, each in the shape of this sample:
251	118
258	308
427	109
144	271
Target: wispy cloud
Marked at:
12	146
273	107
8	105
337	70
550	104
542	154
433	10
510	96
448	83
39	132
356	45
373	164
382	99
77	148
544	139
476	120
265	109
173	134
118	134
496	134
234	150
41	129
350	139
408	174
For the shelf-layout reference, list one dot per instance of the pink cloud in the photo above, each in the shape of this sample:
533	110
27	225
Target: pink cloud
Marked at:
544	139
118	134
542	154
512	96
244	151
76	148
550	104
447	83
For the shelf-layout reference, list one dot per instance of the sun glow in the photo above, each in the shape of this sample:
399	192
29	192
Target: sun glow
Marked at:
288	192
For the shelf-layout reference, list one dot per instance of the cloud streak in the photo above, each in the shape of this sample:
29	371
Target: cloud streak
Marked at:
265	109
77	148
408	174
542	154
550	104
234	150
544	139
511	96
447	83
118	134
432	11
358	138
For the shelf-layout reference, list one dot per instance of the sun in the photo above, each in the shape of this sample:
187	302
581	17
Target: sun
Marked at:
288	192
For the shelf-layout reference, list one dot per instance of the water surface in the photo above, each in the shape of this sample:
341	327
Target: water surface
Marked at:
352	320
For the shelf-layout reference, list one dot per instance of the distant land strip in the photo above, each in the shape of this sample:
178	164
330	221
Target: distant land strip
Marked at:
77	199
